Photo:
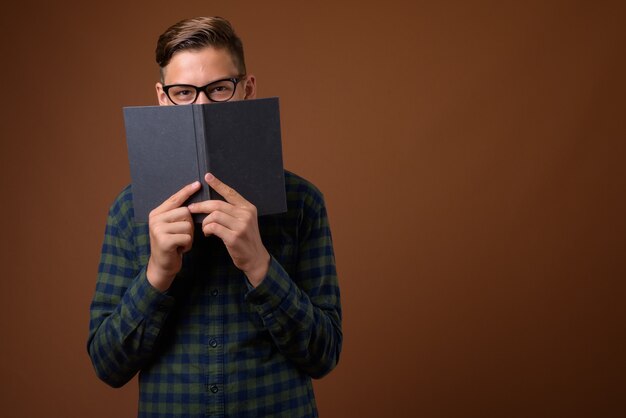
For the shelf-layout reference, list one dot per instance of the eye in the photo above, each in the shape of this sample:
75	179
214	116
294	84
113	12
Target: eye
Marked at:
219	89
182	92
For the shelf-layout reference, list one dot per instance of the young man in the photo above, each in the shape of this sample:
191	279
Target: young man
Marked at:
232	317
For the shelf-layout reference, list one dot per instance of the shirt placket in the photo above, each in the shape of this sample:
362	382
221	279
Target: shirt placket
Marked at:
214	347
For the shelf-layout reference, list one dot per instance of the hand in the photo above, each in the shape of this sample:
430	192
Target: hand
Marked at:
235	223
171	235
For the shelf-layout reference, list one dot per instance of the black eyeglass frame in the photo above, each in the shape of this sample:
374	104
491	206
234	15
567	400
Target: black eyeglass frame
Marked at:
234	80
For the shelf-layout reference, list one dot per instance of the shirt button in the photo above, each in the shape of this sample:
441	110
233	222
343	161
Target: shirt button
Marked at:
213	342
214	388
214	292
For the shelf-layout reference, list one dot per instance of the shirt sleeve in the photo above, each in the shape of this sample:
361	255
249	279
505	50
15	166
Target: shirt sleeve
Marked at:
303	312
127	314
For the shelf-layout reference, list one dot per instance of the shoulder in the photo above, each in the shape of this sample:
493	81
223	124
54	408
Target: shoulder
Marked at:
122	206
121	227
301	191
121	218
305	202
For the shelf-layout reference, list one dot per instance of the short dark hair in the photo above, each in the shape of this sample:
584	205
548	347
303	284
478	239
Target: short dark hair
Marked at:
197	33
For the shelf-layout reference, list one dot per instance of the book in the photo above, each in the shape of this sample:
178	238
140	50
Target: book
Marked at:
239	142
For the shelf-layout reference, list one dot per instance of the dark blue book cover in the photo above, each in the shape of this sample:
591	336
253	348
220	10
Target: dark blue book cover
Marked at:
239	142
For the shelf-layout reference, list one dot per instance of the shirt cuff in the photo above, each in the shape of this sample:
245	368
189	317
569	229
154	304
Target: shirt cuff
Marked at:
272	291
147	301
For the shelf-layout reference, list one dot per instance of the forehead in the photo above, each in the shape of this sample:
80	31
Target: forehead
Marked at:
193	66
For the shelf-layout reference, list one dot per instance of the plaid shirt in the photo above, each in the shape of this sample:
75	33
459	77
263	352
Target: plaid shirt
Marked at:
212	345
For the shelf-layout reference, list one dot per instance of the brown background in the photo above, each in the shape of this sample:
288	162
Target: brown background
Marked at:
473	161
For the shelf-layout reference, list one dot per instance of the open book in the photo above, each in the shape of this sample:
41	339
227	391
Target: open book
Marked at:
239	142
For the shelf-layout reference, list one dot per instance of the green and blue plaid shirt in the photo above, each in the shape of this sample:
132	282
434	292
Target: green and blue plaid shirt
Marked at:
213	345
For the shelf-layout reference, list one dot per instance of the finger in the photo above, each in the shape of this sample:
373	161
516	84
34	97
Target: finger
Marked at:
223	219
186	241
177	199
182	227
174	215
209	206
179	242
220	231
225	191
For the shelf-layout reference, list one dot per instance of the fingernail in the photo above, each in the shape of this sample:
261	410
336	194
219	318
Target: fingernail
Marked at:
209	177
195	184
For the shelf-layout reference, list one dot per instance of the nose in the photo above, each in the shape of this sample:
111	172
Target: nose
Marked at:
202	98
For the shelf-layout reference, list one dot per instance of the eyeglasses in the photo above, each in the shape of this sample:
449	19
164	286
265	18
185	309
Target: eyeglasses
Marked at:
217	91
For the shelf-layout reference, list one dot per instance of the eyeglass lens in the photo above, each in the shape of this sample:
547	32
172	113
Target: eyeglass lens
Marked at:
220	91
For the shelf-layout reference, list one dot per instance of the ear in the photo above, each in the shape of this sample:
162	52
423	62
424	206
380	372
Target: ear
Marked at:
161	96
250	87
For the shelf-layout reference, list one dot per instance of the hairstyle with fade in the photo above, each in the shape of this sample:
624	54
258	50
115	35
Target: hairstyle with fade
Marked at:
198	33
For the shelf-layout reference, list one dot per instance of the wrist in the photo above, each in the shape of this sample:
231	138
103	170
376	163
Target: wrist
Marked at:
257	273
158	278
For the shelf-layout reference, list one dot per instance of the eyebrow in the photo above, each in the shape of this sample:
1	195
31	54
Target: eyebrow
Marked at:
190	84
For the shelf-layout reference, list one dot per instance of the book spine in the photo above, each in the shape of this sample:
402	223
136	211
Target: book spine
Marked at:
201	151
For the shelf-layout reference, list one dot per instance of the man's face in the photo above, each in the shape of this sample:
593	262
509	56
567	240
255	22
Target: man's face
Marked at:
201	67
